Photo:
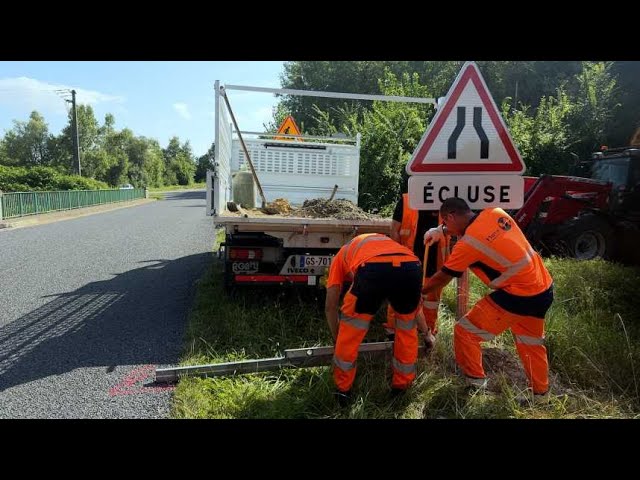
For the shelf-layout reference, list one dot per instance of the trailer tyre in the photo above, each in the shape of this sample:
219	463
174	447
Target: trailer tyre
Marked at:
589	237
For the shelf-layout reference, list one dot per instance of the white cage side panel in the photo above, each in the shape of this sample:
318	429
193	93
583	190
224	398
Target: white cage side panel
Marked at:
221	182
298	173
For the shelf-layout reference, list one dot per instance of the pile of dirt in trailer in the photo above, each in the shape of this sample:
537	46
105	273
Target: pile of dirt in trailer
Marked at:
280	206
339	209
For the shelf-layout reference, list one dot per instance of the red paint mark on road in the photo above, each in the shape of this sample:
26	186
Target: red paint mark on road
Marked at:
130	385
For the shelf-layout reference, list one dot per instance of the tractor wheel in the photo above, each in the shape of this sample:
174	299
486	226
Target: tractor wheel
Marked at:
589	237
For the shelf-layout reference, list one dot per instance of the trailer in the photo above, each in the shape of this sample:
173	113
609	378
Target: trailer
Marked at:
279	250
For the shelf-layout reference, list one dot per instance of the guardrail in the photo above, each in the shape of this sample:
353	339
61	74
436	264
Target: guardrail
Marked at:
20	204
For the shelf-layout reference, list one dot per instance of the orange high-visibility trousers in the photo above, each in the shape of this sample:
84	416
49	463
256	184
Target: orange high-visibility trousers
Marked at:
353	328
430	305
431	301
486	320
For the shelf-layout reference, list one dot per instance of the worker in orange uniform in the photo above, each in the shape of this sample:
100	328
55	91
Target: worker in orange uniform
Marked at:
492	245
380	269
408	227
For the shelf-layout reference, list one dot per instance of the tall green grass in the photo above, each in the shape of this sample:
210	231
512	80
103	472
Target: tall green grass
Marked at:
592	340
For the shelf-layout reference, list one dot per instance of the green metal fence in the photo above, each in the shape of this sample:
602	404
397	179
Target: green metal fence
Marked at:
20	204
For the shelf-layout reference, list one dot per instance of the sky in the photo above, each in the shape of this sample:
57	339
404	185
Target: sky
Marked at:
154	99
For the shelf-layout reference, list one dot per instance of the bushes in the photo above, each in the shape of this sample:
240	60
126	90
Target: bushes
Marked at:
21	179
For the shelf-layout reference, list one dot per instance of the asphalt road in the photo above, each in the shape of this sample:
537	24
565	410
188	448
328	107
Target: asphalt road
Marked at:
90	306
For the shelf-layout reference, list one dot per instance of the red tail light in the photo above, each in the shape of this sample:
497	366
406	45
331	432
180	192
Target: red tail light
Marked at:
245	254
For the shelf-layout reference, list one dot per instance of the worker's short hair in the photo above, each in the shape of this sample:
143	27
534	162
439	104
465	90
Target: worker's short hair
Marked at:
454	205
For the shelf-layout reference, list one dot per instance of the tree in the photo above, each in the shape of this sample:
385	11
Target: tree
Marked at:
390	132
627	117
146	165
88	140
117	171
117	149
532	80
596	103
5	159
27	142
355	77
543	135
204	163
179	164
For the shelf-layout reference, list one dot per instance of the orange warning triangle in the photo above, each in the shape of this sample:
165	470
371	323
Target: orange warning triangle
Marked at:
467	134
289	127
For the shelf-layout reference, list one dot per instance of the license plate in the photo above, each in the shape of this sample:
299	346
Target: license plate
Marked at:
245	267
306	265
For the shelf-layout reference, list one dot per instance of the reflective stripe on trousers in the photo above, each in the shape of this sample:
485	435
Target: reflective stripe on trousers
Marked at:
431	305
354	322
342	365
406	324
471	328
406	368
527	340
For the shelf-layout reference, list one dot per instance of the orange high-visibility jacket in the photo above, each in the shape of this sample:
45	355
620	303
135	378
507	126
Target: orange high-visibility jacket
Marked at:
359	250
496	250
409	225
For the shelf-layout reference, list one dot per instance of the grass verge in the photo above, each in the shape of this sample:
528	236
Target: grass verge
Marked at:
193	186
592	337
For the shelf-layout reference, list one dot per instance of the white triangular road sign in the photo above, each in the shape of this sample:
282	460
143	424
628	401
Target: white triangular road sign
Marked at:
467	134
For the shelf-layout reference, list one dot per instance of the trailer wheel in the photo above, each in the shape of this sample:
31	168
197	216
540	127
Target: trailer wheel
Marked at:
589	237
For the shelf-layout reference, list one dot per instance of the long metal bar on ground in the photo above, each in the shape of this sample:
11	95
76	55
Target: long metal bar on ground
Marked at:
244	147
350	96
293	358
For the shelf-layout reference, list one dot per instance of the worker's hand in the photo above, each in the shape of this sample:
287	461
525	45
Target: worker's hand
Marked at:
433	235
428	339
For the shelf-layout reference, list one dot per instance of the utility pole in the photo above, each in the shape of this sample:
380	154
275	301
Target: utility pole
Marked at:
76	143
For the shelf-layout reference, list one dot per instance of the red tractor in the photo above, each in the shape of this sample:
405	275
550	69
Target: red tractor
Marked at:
587	218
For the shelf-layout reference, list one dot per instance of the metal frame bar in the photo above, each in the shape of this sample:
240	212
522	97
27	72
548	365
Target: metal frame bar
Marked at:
293	358
223	93
311	137
315	93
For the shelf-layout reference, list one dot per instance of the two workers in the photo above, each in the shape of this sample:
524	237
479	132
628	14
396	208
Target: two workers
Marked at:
489	243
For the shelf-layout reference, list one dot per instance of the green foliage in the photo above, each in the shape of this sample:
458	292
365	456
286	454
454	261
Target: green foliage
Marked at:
279	113
565	127
204	163
594	326
627	117
21	179
179	165
596	105
542	136
106	154
390	132
557	111
27	142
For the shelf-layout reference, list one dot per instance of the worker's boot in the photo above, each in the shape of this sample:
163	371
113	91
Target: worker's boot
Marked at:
476	384
529	399
344	398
